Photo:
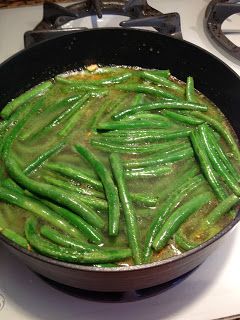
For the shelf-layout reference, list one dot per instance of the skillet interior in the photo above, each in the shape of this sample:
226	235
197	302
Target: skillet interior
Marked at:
121	47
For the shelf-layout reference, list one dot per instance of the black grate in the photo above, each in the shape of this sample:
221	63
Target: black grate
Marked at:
139	14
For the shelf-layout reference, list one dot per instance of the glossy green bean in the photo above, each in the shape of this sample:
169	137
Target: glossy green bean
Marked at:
222	155
75	173
223	130
109	187
216	162
90	197
12	134
63	116
165	210
222	208
62	197
129	213
67	254
15	237
86	229
154	171
15	103
163	81
190	91
36	207
95	82
135	124
187	119
64	240
145	136
143	200
149	116
161	158
141	88
39	160
183	243
206	166
73	119
104	145
177	218
179	105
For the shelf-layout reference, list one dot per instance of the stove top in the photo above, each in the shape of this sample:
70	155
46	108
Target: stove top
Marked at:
210	292
135	13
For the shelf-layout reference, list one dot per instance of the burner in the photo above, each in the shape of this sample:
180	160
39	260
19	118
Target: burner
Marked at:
140	14
128	296
217	12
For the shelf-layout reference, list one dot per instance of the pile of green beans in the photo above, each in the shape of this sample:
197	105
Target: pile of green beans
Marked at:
124	167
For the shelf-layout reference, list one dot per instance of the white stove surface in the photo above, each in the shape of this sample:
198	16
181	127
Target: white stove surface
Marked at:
212	291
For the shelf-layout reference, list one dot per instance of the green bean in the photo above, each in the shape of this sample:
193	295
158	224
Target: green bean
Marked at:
86	229
11	135
221	154
39	160
190	91
67	254
109	187
145	200
182	105
170	156
163	81
10	184
222	208
183	243
73	119
81	190
38	208
113	147
159	73
88	196
63	197
75	173
136	124
223	130
155	171
14	104
15	237
149	116
101	110
189	169
95	82
145	136
206	166
141	88
216	162
182	118
129	213
177	218
33	132
63	116
66	241
165	210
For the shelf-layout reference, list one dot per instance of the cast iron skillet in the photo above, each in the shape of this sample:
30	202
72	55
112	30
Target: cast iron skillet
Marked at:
121	47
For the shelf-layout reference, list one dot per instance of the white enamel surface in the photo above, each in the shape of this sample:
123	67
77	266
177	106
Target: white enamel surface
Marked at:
212	291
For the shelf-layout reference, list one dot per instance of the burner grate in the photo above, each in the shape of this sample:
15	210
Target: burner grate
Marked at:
217	12
140	14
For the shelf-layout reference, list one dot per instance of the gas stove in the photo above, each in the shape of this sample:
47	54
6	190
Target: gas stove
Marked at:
211	291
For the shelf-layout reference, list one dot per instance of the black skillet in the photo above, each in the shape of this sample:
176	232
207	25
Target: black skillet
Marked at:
133	48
